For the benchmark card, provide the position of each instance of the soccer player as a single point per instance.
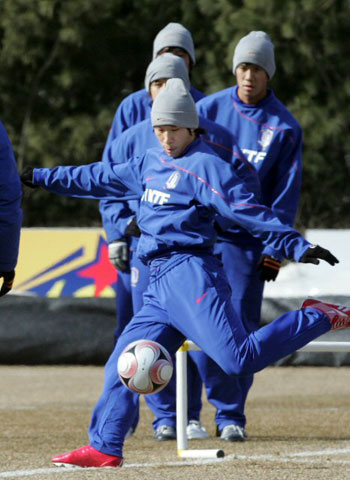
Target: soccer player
(181, 187)
(134, 142)
(271, 138)
(10, 212)
(120, 227)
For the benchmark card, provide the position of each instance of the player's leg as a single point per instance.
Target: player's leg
(125, 311)
(195, 430)
(229, 394)
(163, 404)
(112, 415)
(224, 392)
(123, 302)
(203, 313)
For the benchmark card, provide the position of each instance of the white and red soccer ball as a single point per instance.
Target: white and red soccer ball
(145, 366)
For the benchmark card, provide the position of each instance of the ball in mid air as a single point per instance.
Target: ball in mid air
(145, 367)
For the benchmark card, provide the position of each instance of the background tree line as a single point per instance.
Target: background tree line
(66, 65)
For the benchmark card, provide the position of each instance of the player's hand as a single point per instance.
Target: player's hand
(118, 253)
(314, 253)
(7, 283)
(27, 177)
(132, 230)
(268, 268)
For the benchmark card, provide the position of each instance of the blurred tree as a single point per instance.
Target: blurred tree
(65, 67)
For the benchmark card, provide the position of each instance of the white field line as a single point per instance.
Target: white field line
(298, 457)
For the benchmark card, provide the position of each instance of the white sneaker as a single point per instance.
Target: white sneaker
(195, 431)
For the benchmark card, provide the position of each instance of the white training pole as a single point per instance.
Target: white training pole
(181, 409)
(181, 393)
(181, 399)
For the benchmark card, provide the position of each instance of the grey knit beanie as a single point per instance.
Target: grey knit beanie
(174, 35)
(174, 105)
(167, 66)
(256, 48)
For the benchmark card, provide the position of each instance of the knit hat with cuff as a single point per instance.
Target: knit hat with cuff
(256, 48)
(174, 35)
(174, 105)
(167, 66)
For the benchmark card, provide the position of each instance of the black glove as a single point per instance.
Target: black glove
(315, 252)
(27, 177)
(132, 230)
(268, 268)
(118, 253)
(7, 283)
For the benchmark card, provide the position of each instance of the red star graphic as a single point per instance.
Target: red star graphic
(102, 272)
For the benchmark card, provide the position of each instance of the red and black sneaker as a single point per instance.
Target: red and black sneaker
(339, 315)
(87, 457)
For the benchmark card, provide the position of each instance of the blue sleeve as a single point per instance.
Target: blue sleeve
(10, 204)
(94, 181)
(222, 190)
(116, 215)
(286, 192)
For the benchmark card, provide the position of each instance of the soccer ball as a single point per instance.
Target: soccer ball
(145, 366)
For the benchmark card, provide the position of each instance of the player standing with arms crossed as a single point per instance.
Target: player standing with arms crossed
(271, 138)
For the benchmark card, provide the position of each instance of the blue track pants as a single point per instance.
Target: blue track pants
(189, 297)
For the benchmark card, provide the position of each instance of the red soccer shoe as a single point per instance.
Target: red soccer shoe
(87, 457)
(339, 315)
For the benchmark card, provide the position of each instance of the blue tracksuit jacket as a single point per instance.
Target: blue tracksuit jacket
(135, 108)
(137, 139)
(179, 199)
(10, 204)
(271, 139)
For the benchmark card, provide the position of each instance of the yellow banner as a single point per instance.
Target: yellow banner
(64, 262)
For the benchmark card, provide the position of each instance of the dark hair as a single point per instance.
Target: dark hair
(170, 50)
(197, 131)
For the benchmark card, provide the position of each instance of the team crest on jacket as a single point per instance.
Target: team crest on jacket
(265, 137)
(173, 180)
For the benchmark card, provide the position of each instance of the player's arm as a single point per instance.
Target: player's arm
(94, 181)
(222, 190)
(285, 191)
(116, 215)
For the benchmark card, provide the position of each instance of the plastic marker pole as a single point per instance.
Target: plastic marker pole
(181, 408)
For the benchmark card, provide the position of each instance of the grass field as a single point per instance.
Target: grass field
(298, 427)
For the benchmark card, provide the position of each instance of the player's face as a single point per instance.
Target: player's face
(156, 87)
(173, 139)
(252, 83)
(179, 52)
